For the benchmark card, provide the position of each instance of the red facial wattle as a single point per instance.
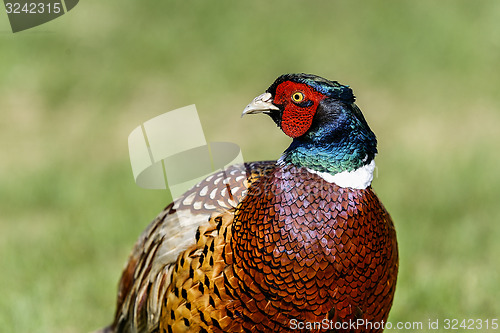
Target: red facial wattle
(297, 117)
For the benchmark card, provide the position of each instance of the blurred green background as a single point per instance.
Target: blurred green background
(425, 73)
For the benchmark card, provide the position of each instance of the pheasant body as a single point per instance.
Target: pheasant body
(261, 245)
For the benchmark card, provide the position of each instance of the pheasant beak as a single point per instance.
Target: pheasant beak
(261, 104)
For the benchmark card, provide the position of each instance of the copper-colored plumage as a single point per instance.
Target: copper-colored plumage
(258, 246)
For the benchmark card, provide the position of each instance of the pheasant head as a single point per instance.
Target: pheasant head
(330, 135)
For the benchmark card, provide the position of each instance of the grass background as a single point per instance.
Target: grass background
(426, 75)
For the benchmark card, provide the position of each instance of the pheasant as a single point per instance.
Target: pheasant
(301, 243)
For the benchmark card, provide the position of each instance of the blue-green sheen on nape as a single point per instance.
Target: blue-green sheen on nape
(340, 141)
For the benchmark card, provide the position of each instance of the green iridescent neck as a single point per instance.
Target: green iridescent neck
(331, 158)
(338, 140)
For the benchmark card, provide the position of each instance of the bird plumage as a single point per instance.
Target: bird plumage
(261, 244)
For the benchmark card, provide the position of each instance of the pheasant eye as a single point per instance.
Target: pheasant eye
(298, 97)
